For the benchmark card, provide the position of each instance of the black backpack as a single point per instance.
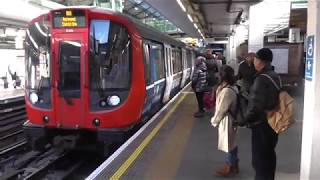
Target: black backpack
(242, 104)
(212, 68)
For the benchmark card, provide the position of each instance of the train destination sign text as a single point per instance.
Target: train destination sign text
(69, 19)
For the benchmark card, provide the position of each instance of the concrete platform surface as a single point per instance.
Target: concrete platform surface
(185, 148)
(10, 94)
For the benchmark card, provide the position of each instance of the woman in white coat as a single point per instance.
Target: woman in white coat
(226, 104)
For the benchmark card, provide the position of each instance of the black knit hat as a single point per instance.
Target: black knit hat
(265, 54)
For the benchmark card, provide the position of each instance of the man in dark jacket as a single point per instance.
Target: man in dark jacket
(263, 97)
(212, 69)
(246, 73)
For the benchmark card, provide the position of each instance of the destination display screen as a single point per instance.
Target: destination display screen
(69, 19)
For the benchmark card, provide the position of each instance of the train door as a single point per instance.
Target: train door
(188, 64)
(177, 70)
(193, 58)
(69, 60)
(158, 74)
(148, 80)
(184, 68)
(169, 72)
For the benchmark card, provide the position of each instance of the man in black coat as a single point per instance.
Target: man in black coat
(212, 69)
(263, 97)
(246, 72)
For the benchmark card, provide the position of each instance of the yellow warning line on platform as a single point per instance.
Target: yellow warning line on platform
(124, 167)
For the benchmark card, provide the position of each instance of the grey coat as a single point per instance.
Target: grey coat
(199, 78)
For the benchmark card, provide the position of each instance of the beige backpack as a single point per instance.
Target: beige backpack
(281, 118)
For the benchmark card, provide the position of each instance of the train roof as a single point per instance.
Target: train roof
(144, 30)
(153, 34)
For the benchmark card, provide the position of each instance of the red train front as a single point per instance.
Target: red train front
(84, 71)
(93, 75)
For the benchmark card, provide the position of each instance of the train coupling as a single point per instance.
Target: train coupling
(66, 142)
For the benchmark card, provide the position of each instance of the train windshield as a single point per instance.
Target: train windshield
(38, 62)
(110, 49)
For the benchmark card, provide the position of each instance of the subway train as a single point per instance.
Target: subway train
(94, 75)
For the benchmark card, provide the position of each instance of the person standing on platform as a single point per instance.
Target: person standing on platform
(226, 105)
(219, 59)
(199, 84)
(246, 73)
(263, 97)
(212, 79)
(212, 68)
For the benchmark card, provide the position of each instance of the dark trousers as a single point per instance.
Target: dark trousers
(264, 141)
(199, 96)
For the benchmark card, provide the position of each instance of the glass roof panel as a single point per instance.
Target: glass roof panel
(144, 5)
(148, 15)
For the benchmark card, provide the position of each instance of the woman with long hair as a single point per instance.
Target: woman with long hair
(226, 104)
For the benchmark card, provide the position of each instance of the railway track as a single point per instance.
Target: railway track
(53, 164)
(12, 116)
(16, 161)
(21, 166)
(13, 148)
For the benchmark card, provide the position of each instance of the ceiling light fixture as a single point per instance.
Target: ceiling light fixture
(181, 5)
(195, 25)
(190, 17)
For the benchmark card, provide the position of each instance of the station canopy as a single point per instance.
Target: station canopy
(149, 15)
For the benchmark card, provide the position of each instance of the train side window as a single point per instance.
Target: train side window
(166, 59)
(156, 57)
(38, 62)
(179, 60)
(171, 61)
(110, 50)
(189, 58)
(162, 64)
(185, 60)
(174, 66)
(147, 70)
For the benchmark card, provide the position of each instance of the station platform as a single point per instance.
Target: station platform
(11, 95)
(175, 145)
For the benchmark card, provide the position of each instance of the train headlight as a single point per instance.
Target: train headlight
(45, 119)
(113, 100)
(96, 122)
(33, 98)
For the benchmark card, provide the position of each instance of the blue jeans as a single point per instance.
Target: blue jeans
(232, 156)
